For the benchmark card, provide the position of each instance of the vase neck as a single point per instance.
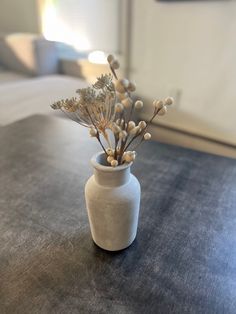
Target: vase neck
(110, 178)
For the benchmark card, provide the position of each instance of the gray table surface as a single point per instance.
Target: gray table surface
(184, 257)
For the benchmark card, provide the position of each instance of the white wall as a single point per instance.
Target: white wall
(189, 48)
(19, 16)
(84, 24)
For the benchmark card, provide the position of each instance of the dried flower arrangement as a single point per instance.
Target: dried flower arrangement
(107, 107)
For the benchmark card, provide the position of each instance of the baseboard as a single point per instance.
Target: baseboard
(170, 135)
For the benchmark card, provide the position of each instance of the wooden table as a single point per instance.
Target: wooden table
(184, 257)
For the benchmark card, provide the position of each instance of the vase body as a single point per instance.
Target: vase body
(112, 198)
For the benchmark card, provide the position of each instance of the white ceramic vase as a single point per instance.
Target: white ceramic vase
(112, 199)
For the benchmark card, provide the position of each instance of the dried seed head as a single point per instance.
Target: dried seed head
(119, 86)
(129, 156)
(124, 82)
(162, 111)
(109, 159)
(142, 124)
(135, 130)
(127, 102)
(93, 132)
(169, 101)
(147, 136)
(114, 163)
(131, 125)
(119, 107)
(131, 87)
(158, 104)
(110, 151)
(115, 64)
(138, 104)
(132, 157)
(110, 58)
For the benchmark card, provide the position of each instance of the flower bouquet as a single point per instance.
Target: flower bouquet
(107, 109)
(112, 194)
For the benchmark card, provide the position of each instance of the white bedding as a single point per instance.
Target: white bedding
(21, 99)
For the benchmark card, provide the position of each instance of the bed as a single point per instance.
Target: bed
(22, 96)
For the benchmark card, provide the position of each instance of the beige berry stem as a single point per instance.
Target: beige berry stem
(99, 140)
(115, 153)
(122, 150)
(123, 145)
(114, 73)
(97, 136)
(131, 141)
(143, 131)
(130, 114)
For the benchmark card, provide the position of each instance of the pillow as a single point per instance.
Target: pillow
(28, 54)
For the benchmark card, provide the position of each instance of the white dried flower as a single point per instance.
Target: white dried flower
(109, 159)
(110, 151)
(104, 81)
(162, 111)
(119, 107)
(127, 102)
(142, 124)
(135, 130)
(131, 125)
(122, 135)
(93, 132)
(124, 82)
(169, 101)
(131, 87)
(115, 64)
(119, 86)
(147, 136)
(114, 163)
(158, 104)
(138, 104)
(129, 156)
(132, 157)
(110, 58)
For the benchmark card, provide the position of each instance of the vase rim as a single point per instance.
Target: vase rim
(98, 166)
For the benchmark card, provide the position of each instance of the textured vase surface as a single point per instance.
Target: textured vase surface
(112, 199)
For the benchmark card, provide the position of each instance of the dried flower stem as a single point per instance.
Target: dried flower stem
(99, 140)
(143, 131)
(116, 143)
(97, 136)
(106, 136)
(130, 114)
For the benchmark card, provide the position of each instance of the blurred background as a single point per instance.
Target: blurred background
(184, 49)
